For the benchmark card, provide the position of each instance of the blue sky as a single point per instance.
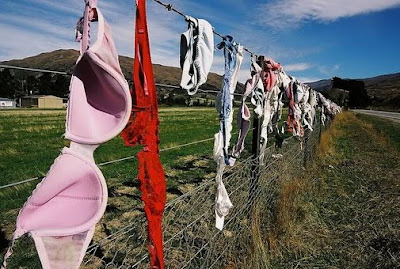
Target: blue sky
(312, 39)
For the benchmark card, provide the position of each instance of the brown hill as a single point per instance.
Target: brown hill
(64, 60)
(383, 91)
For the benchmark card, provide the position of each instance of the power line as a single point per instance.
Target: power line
(199, 90)
(69, 74)
(34, 69)
(20, 182)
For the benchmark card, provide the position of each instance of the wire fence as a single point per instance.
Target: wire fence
(190, 237)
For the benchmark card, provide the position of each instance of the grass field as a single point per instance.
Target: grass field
(31, 139)
(342, 212)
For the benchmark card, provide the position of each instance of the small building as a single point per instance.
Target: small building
(6, 103)
(41, 101)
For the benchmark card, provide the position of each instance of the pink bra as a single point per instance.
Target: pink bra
(64, 208)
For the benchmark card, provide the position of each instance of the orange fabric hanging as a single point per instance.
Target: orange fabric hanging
(142, 129)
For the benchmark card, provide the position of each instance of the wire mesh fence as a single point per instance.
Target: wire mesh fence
(190, 237)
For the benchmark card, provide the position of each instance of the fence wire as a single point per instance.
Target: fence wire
(190, 237)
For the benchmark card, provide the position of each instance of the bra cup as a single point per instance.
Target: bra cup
(100, 102)
(63, 210)
(70, 196)
(184, 47)
(205, 48)
(245, 113)
(98, 106)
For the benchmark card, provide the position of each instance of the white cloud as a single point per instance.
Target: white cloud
(22, 43)
(72, 6)
(54, 29)
(289, 13)
(329, 70)
(297, 67)
(40, 26)
(309, 79)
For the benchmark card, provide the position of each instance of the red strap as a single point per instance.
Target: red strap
(143, 129)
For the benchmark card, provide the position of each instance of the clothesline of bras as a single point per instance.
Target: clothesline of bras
(99, 91)
(197, 55)
(266, 88)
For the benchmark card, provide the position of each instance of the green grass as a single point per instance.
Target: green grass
(342, 212)
(387, 128)
(30, 140)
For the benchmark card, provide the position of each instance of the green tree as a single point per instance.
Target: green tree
(358, 96)
(32, 85)
(45, 84)
(61, 86)
(7, 84)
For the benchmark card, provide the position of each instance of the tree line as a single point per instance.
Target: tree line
(20, 83)
(16, 84)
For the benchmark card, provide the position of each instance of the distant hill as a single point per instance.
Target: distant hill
(383, 91)
(320, 85)
(64, 60)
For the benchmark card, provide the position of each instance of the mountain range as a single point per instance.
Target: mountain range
(384, 90)
(64, 60)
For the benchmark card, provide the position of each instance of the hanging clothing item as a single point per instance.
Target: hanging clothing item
(328, 108)
(282, 83)
(307, 110)
(233, 53)
(313, 104)
(325, 105)
(142, 129)
(255, 87)
(222, 201)
(63, 210)
(196, 54)
(269, 76)
(294, 93)
(98, 89)
(271, 99)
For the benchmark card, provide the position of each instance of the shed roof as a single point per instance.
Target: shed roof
(6, 99)
(41, 96)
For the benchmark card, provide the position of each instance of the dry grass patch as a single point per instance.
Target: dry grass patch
(326, 147)
(188, 158)
(9, 152)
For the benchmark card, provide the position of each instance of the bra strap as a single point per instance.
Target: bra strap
(82, 30)
(9, 252)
